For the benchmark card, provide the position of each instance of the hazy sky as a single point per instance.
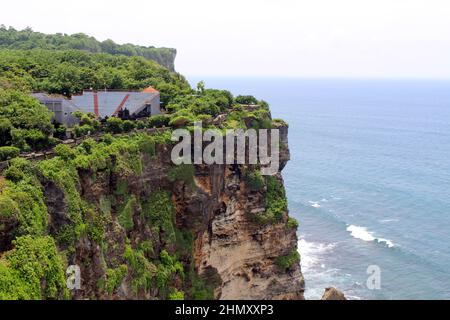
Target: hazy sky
(298, 38)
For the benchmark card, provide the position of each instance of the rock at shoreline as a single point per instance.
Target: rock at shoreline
(333, 294)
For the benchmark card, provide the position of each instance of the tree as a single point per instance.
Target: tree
(246, 100)
(201, 87)
(114, 125)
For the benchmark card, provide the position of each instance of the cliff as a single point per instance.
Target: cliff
(141, 228)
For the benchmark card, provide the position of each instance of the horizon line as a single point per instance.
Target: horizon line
(314, 77)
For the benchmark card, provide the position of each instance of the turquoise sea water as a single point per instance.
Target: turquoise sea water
(369, 180)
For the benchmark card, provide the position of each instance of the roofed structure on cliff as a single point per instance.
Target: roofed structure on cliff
(105, 103)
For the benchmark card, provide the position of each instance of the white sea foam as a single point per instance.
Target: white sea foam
(314, 204)
(310, 253)
(360, 233)
(389, 243)
(363, 234)
(388, 220)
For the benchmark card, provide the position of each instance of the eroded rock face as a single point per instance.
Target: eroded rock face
(241, 251)
(244, 252)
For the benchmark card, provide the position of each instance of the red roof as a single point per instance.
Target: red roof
(150, 90)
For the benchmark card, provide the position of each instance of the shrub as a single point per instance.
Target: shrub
(60, 131)
(36, 266)
(13, 174)
(279, 122)
(160, 211)
(18, 169)
(88, 145)
(246, 100)
(8, 208)
(113, 278)
(206, 118)
(287, 261)
(142, 270)
(158, 120)
(8, 152)
(180, 121)
(167, 269)
(26, 123)
(114, 125)
(126, 214)
(147, 145)
(107, 138)
(66, 179)
(128, 125)
(200, 289)
(292, 223)
(64, 152)
(276, 198)
(83, 130)
(182, 172)
(276, 203)
(24, 199)
(176, 295)
(5, 131)
(12, 286)
(254, 180)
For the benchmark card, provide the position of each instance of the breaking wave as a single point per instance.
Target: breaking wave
(363, 234)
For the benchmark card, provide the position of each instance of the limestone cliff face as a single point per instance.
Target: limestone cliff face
(233, 252)
(242, 252)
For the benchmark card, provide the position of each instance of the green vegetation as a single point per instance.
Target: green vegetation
(24, 122)
(8, 153)
(276, 198)
(126, 214)
(246, 100)
(182, 172)
(279, 122)
(176, 295)
(147, 145)
(292, 223)
(287, 261)
(200, 289)
(65, 177)
(68, 72)
(167, 269)
(160, 212)
(158, 121)
(27, 39)
(22, 199)
(88, 124)
(113, 278)
(64, 152)
(276, 203)
(32, 270)
(142, 270)
(254, 180)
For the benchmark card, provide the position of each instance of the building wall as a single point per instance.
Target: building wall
(62, 109)
(109, 101)
(156, 105)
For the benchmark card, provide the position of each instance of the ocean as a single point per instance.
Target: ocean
(368, 181)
